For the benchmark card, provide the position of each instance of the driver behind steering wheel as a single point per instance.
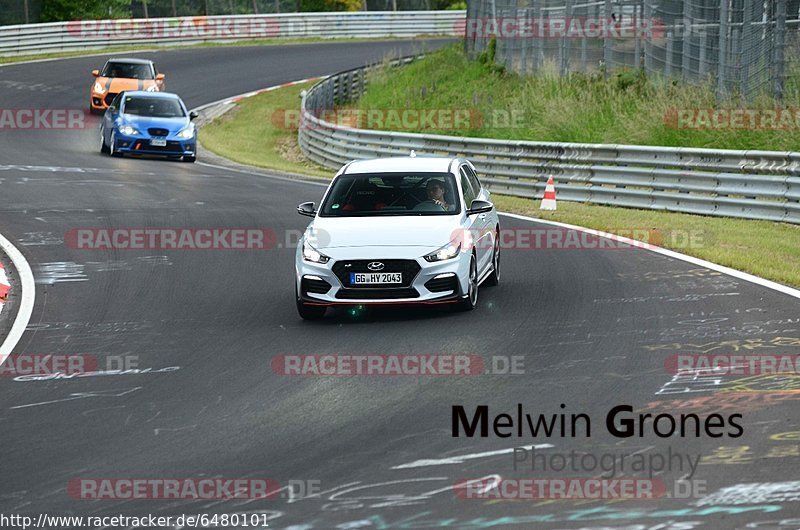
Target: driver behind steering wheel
(435, 190)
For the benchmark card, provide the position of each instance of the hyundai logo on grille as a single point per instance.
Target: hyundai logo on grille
(375, 266)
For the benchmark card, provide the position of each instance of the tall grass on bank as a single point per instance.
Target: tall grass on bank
(628, 108)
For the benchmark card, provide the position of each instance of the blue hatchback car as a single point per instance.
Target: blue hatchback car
(149, 123)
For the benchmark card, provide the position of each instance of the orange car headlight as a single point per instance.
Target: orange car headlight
(100, 89)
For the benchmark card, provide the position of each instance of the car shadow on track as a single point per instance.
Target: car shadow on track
(373, 314)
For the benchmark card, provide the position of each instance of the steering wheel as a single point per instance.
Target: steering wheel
(429, 206)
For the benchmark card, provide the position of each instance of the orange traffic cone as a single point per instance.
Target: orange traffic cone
(549, 199)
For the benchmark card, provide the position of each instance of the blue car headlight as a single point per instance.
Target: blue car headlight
(127, 130)
(187, 133)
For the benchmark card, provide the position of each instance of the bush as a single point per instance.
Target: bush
(58, 10)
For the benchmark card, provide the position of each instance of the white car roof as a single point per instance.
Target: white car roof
(402, 163)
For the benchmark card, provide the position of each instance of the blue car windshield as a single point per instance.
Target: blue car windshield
(153, 107)
(380, 194)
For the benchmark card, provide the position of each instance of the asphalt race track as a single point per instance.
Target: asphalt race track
(595, 328)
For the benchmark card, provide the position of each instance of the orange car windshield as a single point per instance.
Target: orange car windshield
(128, 71)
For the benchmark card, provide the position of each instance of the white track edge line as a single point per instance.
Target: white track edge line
(763, 282)
(239, 97)
(27, 298)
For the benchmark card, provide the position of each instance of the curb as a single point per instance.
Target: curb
(5, 287)
(209, 111)
(24, 293)
(234, 99)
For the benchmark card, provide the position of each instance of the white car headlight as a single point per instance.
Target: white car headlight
(152, 88)
(449, 251)
(313, 255)
(187, 133)
(100, 89)
(127, 130)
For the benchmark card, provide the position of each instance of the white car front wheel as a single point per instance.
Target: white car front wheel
(469, 302)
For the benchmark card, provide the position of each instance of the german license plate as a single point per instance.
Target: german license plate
(375, 278)
(158, 143)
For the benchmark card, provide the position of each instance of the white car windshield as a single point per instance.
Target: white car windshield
(372, 194)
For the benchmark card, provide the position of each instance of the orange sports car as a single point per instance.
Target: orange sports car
(119, 75)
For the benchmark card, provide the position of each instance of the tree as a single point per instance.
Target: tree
(331, 5)
(58, 10)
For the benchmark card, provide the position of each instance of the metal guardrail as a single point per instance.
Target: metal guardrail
(92, 34)
(746, 184)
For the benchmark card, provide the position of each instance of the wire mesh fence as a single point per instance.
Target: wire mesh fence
(742, 47)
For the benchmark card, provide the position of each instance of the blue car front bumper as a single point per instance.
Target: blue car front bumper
(144, 145)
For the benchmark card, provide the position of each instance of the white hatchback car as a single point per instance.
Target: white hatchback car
(410, 230)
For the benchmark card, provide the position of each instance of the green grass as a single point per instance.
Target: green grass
(626, 109)
(766, 249)
(254, 133)
(772, 250)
